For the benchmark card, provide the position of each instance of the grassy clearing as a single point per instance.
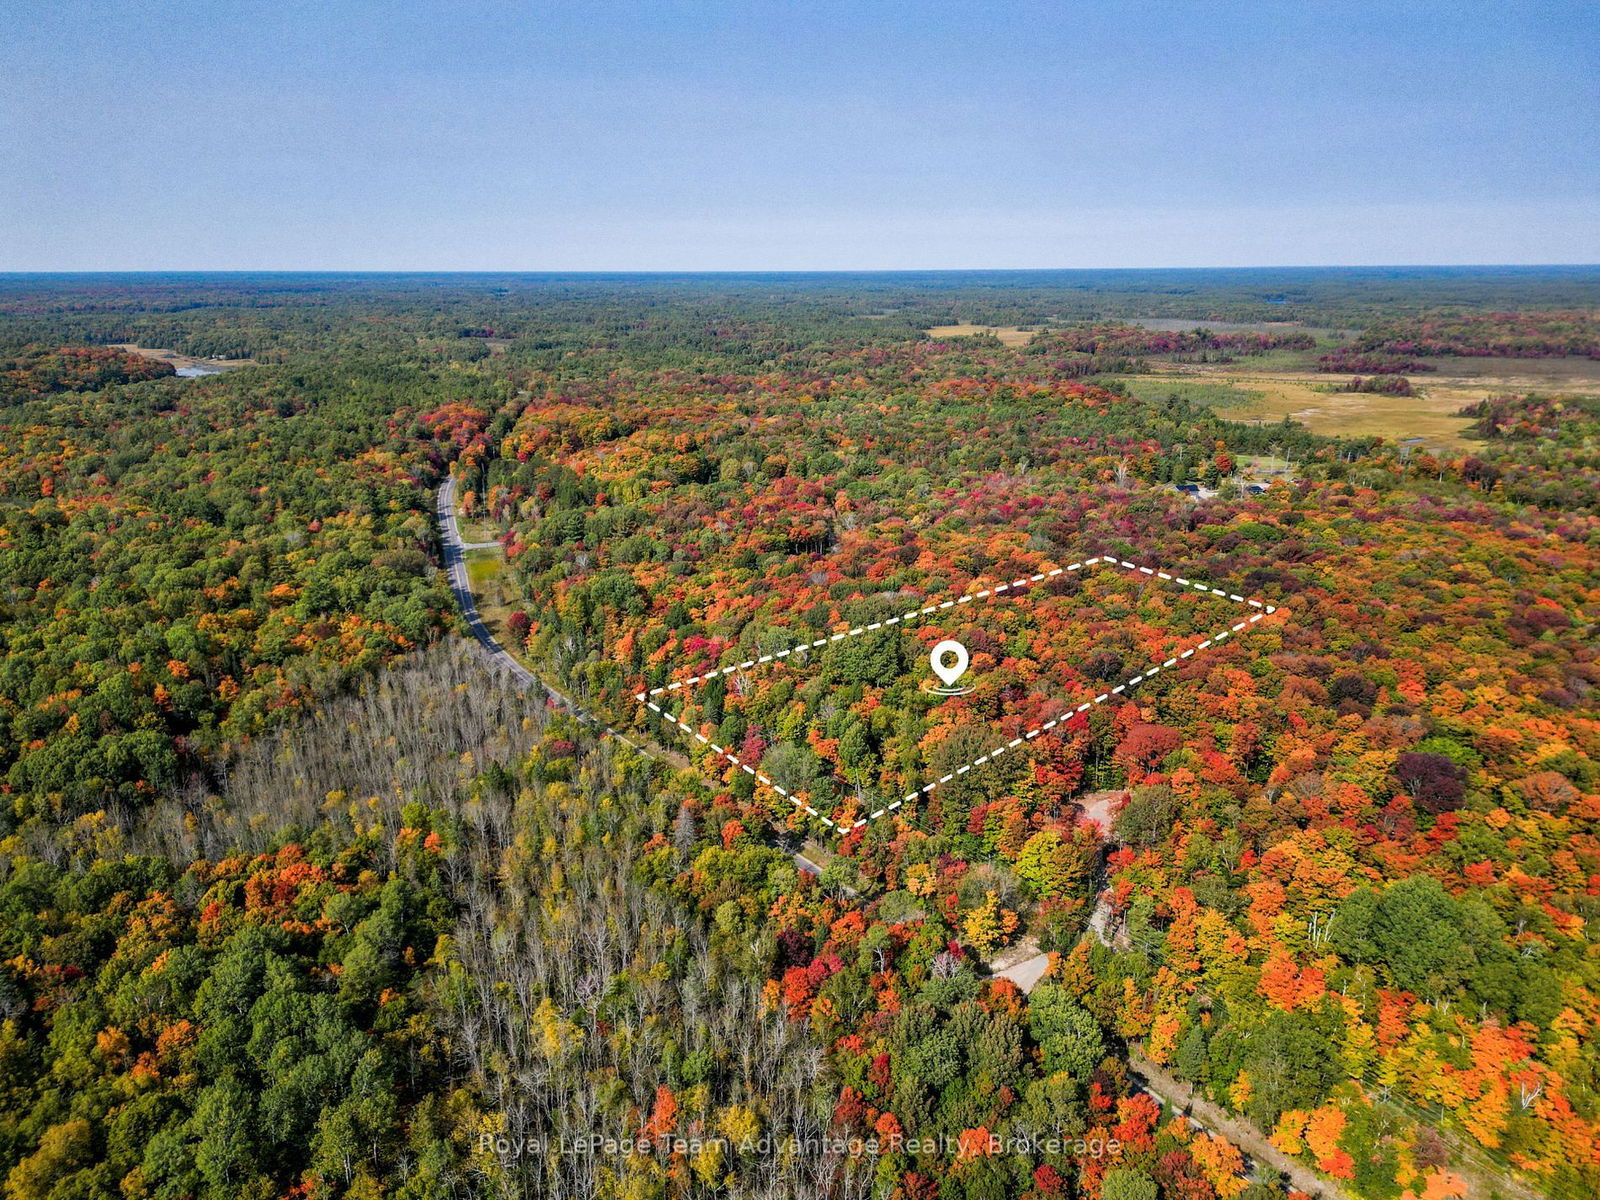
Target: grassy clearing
(1269, 393)
(492, 588)
(1277, 362)
(478, 531)
(1254, 466)
(483, 568)
(1011, 335)
(180, 361)
(1213, 395)
(1580, 376)
(1257, 393)
(1430, 416)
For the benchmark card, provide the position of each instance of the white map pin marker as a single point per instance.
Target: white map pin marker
(954, 671)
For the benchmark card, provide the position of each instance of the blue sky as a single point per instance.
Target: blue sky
(721, 136)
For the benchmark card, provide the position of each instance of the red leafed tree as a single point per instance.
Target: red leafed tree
(1146, 745)
(662, 1114)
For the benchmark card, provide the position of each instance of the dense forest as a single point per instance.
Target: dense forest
(304, 896)
(1545, 334)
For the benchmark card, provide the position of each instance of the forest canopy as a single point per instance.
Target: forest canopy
(303, 895)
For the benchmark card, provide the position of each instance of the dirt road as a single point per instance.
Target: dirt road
(1161, 1083)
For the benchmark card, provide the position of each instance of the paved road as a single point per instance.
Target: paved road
(1022, 963)
(455, 562)
(1027, 973)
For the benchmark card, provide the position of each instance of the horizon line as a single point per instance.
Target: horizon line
(735, 271)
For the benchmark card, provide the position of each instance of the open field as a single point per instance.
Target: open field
(1283, 384)
(1217, 395)
(181, 361)
(475, 531)
(1257, 394)
(1431, 415)
(1579, 375)
(1009, 334)
(486, 571)
(483, 568)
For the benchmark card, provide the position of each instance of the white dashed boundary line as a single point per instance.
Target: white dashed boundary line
(1262, 611)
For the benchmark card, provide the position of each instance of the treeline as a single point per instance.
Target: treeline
(1347, 360)
(664, 318)
(1128, 343)
(1524, 334)
(1383, 385)
(39, 370)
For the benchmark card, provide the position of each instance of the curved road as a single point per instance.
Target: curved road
(455, 562)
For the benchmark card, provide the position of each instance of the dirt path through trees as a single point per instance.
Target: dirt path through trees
(1160, 1082)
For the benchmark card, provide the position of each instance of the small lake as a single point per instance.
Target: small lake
(195, 372)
